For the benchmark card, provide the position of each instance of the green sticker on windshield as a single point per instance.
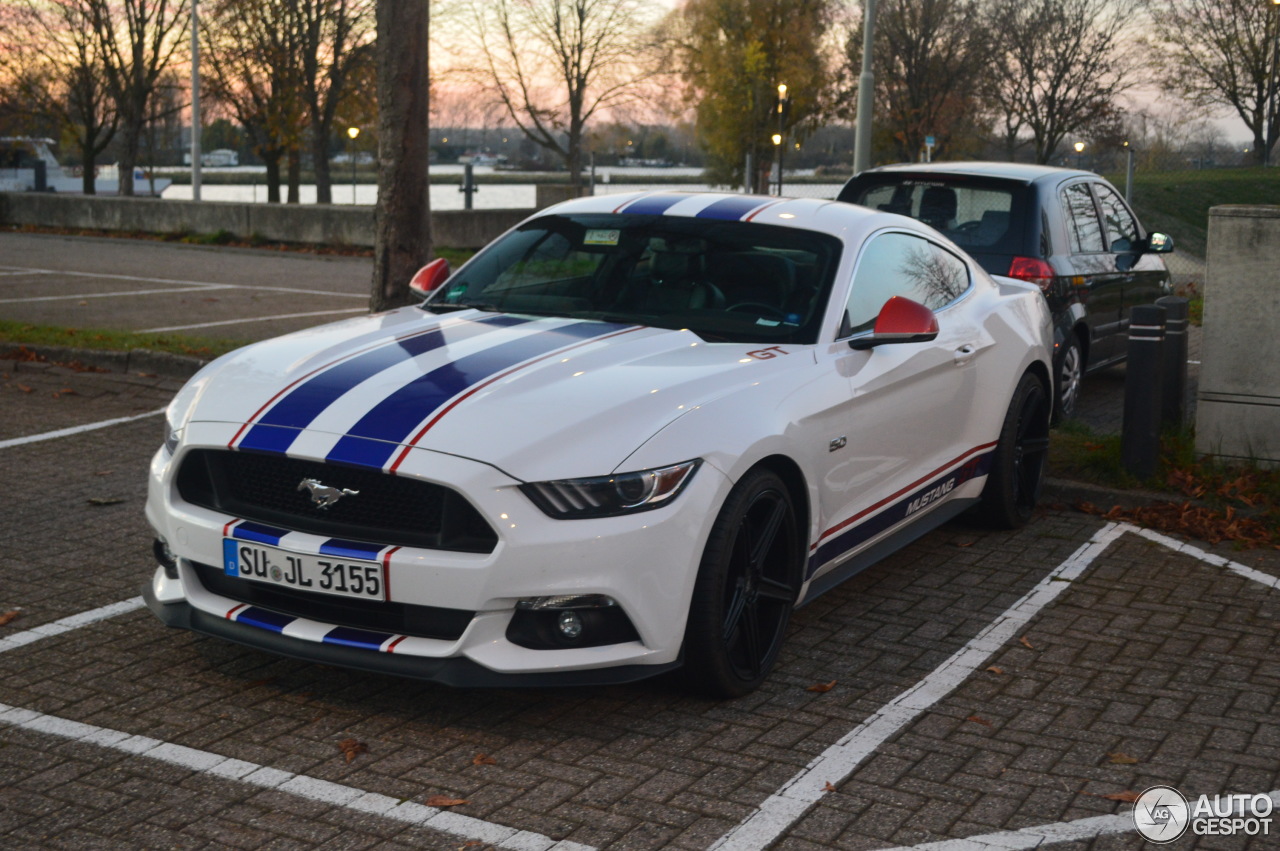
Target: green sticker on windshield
(602, 237)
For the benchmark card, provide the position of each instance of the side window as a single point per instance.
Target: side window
(1082, 219)
(901, 264)
(1122, 230)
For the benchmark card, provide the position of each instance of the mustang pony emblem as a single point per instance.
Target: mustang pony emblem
(322, 495)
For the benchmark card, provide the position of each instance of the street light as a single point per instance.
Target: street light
(1269, 141)
(1079, 146)
(784, 107)
(352, 133)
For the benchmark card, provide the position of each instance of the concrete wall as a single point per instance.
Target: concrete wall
(1238, 415)
(313, 223)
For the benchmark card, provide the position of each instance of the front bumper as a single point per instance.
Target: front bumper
(646, 562)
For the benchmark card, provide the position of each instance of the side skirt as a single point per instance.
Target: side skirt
(886, 547)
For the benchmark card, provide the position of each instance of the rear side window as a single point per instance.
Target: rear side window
(1082, 219)
(904, 265)
(974, 216)
(1122, 229)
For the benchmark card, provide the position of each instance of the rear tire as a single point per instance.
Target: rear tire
(1017, 468)
(1070, 374)
(747, 585)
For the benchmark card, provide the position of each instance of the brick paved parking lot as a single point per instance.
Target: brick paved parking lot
(989, 687)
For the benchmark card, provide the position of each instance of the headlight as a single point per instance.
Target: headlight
(171, 435)
(610, 496)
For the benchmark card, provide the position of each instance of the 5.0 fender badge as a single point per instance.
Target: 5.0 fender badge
(322, 495)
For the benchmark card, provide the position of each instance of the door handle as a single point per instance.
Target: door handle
(965, 353)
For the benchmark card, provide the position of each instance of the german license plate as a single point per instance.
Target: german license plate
(320, 574)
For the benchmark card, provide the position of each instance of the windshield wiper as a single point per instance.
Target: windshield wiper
(437, 307)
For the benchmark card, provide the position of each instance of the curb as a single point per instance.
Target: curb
(133, 361)
(1104, 498)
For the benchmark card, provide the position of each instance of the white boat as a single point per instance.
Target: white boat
(23, 158)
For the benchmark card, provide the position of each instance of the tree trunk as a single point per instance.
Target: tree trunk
(273, 177)
(295, 176)
(402, 217)
(88, 179)
(128, 158)
(320, 163)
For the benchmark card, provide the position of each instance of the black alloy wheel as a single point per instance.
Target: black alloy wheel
(1017, 468)
(1070, 374)
(746, 588)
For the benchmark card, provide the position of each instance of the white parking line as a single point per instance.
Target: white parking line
(197, 284)
(250, 319)
(83, 296)
(67, 624)
(80, 429)
(1047, 834)
(836, 763)
(311, 788)
(786, 806)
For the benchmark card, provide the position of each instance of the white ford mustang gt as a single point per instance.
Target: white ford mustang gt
(630, 435)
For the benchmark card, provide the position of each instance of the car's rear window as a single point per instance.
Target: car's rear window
(979, 216)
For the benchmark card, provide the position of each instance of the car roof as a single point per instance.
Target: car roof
(1023, 172)
(844, 221)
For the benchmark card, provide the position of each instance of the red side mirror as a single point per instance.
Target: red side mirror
(430, 277)
(901, 320)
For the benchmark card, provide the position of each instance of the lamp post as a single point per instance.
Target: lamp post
(1269, 137)
(1079, 146)
(352, 133)
(784, 108)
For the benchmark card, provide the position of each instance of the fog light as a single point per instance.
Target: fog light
(569, 624)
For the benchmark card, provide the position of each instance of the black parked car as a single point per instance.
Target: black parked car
(1068, 231)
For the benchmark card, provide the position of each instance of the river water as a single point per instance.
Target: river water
(491, 196)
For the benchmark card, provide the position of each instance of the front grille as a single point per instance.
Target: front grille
(394, 618)
(389, 510)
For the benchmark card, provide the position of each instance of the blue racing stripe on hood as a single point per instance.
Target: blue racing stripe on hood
(655, 205)
(300, 406)
(730, 209)
(350, 549)
(372, 440)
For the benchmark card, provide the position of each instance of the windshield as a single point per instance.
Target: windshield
(725, 281)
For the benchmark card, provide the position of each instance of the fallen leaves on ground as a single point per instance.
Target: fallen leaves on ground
(1027, 644)
(483, 759)
(1118, 758)
(445, 801)
(1126, 796)
(8, 617)
(820, 688)
(352, 748)
(996, 669)
(105, 500)
(24, 388)
(827, 787)
(1194, 521)
(979, 720)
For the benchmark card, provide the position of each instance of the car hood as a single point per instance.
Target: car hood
(538, 398)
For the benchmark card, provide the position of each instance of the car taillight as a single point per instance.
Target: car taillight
(1032, 270)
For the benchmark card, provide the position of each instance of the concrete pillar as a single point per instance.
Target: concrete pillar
(1238, 414)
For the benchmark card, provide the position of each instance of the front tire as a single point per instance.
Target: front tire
(1017, 468)
(747, 585)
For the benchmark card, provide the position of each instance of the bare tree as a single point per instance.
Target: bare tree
(1222, 53)
(138, 40)
(930, 59)
(555, 63)
(250, 50)
(402, 219)
(334, 38)
(1059, 63)
(55, 69)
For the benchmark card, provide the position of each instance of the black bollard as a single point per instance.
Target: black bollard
(1143, 386)
(1174, 391)
(468, 187)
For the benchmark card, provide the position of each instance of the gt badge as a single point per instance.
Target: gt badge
(323, 496)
